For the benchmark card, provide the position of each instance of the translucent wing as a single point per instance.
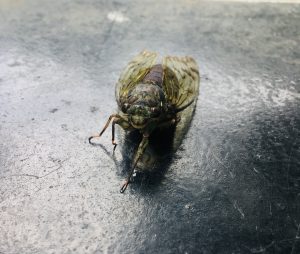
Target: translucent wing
(133, 73)
(181, 81)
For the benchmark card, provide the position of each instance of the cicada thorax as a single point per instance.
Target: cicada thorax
(146, 101)
(155, 75)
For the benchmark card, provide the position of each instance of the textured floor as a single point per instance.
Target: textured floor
(233, 185)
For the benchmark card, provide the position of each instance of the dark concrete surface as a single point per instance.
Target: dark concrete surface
(233, 185)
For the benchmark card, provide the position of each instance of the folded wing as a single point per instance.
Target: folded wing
(181, 81)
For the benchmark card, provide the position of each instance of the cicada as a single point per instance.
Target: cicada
(150, 95)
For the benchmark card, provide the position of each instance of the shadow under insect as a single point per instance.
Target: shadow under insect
(156, 159)
(158, 155)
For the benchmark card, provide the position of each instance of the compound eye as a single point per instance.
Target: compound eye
(154, 111)
(125, 107)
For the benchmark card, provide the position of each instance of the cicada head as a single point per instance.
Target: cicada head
(140, 115)
(143, 104)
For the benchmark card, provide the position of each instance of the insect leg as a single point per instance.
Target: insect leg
(177, 119)
(113, 134)
(105, 127)
(169, 122)
(138, 155)
(123, 123)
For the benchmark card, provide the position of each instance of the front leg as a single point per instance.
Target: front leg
(138, 155)
(123, 123)
(116, 119)
(105, 127)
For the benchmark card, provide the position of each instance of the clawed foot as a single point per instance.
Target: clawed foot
(115, 145)
(91, 137)
(124, 186)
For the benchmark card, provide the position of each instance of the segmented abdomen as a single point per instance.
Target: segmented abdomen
(155, 75)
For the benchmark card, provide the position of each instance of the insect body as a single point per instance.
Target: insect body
(150, 95)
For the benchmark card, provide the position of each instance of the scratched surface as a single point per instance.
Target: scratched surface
(232, 186)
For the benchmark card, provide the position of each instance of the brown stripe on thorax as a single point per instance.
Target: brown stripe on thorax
(155, 75)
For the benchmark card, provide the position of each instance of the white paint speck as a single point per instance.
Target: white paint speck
(117, 17)
(188, 206)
